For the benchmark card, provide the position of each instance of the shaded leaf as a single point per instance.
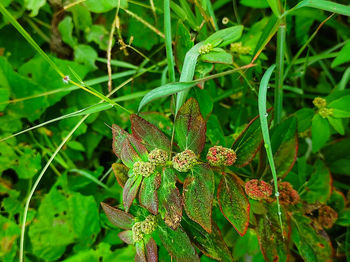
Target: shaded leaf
(273, 245)
(130, 190)
(190, 127)
(233, 202)
(212, 245)
(320, 132)
(148, 134)
(121, 173)
(249, 142)
(151, 251)
(183, 43)
(128, 154)
(148, 193)
(127, 237)
(118, 217)
(198, 191)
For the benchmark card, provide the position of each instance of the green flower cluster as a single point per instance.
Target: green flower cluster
(184, 161)
(205, 49)
(158, 157)
(321, 104)
(239, 49)
(143, 168)
(146, 227)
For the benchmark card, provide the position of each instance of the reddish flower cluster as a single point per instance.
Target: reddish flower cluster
(221, 156)
(287, 195)
(184, 161)
(258, 190)
(327, 216)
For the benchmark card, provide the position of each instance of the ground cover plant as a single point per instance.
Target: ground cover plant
(174, 130)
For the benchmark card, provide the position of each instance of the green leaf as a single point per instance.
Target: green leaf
(149, 135)
(255, 3)
(28, 164)
(170, 199)
(225, 36)
(198, 191)
(118, 217)
(66, 30)
(274, 5)
(248, 142)
(34, 6)
(312, 243)
(304, 117)
(164, 91)
(148, 197)
(233, 202)
(214, 132)
(325, 5)
(343, 56)
(183, 43)
(337, 124)
(190, 127)
(8, 238)
(85, 55)
(99, 35)
(273, 245)
(121, 173)
(212, 245)
(284, 145)
(218, 56)
(320, 132)
(318, 187)
(102, 6)
(130, 190)
(177, 243)
(344, 218)
(341, 107)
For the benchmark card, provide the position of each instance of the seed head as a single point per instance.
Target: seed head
(205, 49)
(137, 231)
(319, 102)
(149, 225)
(221, 156)
(158, 157)
(287, 194)
(184, 161)
(325, 112)
(143, 168)
(327, 216)
(258, 189)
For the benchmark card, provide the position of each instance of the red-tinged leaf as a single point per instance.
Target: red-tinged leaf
(118, 217)
(311, 241)
(249, 142)
(170, 198)
(119, 136)
(121, 173)
(233, 202)
(212, 245)
(190, 127)
(128, 155)
(130, 190)
(198, 191)
(149, 135)
(127, 237)
(140, 252)
(273, 245)
(284, 144)
(177, 243)
(151, 251)
(148, 193)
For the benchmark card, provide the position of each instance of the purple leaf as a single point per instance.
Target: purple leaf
(151, 251)
(118, 217)
(127, 237)
(130, 190)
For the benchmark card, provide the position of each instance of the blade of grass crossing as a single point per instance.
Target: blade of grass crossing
(265, 131)
(168, 42)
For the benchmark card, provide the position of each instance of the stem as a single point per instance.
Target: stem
(281, 38)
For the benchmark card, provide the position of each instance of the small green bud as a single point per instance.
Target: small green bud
(239, 49)
(137, 231)
(184, 161)
(143, 168)
(149, 225)
(319, 102)
(158, 157)
(325, 112)
(205, 49)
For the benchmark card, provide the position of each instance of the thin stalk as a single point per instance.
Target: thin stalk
(281, 39)
(109, 49)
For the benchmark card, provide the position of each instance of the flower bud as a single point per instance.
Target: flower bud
(158, 157)
(184, 161)
(319, 102)
(239, 49)
(149, 225)
(258, 189)
(325, 112)
(143, 168)
(205, 49)
(137, 233)
(327, 216)
(287, 194)
(221, 156)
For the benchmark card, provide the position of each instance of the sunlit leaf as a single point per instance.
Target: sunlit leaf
(130, 190)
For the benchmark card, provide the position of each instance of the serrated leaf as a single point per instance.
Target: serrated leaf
(118, 217)
(149, 135)
(170, 198)
(130, 190)
(177, 244)
(233, 203)
(148, 193)
(273, 245)
(249, 142)
(320, 132)
(190, 127)
(312, 243)
(284, 143)
(198, 191)
(212, 245)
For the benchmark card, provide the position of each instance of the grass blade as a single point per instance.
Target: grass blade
(265, 130)
(325, 5)
(168, 42)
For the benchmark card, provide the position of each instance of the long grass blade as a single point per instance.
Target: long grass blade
(168, 42)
